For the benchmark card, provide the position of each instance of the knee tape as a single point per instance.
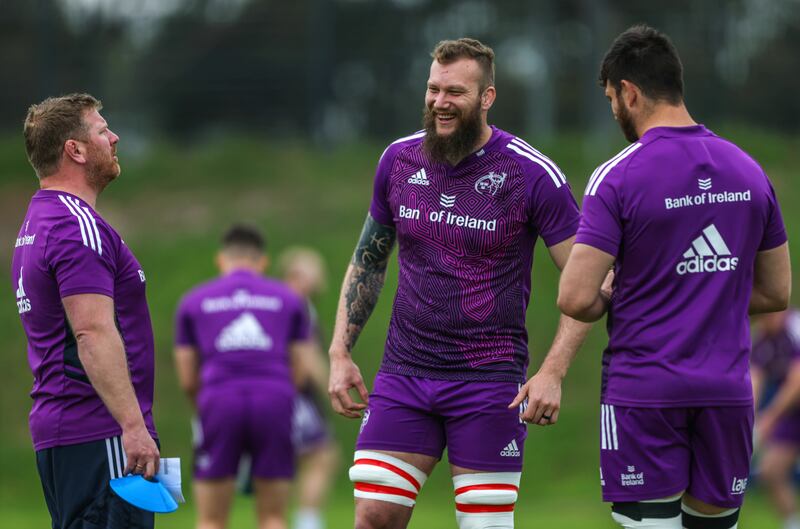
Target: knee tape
(486, 500)
(656, 514)
(382, 477)
(693, 519)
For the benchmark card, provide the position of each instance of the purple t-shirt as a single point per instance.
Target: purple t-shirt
(466, 236)
(65, 248)
(684, 212)
(775, 354)
(242, 324)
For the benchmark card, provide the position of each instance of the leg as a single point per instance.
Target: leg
(213, 498)
(700, 515)
(775, 469)
(386, 486)
(485, 500)
(272, 498)
(316, 470)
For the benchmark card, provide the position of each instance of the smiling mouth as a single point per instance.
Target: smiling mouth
(445, 117)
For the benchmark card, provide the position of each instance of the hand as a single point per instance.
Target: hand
(765, 425)
(607, 288)
(141, 452)
(543, 392)
(345, 376)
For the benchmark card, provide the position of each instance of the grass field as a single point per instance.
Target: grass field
(171, 204)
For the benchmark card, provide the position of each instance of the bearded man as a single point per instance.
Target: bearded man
(466, 202)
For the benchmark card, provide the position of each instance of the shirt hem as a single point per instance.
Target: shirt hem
(734, 403)
(52, 443)
(474, 376)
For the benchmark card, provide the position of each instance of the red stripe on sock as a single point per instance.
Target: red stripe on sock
(389, 466)
(382, 489)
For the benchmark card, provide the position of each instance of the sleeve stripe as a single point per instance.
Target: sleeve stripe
(75, 213)
(522, 143)
(526, 154)
(414, 136)
(600, 174)
(85, 217)
(96, 231)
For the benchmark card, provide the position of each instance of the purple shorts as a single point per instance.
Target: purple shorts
(422, 415)
(237, 421)
(309, 428)
(651, 453)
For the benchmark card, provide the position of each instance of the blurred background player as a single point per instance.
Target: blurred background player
(466, 203)
(238, 341)
(775, 371)
(303, 270)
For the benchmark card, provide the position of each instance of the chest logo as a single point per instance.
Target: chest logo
(420, 178)
(243, 333)
(447, 201)
(490, 184)
(23, 303)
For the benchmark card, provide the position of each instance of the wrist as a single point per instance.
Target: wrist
(339, 353)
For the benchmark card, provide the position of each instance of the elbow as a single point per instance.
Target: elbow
(575, 306)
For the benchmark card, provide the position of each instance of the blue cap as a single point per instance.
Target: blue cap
(147, 495)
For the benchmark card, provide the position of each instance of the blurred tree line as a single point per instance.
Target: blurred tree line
(335, 70)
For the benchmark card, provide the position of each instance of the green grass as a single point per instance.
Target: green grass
(172, 203)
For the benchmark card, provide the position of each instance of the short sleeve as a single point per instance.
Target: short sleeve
(775, 230)
(380, 208)
(554, 212)
(81, 255)
(184, 325)
(301, 323)
(601, 224)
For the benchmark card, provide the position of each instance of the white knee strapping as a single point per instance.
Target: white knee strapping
(382, 477)
(486, 500)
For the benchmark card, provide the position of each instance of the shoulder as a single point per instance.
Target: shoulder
(74, 221)
(532, 162)
(612, 169)
(280, 289)
(400, 144)
(194, 296)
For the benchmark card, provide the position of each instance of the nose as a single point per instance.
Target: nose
(114, 137)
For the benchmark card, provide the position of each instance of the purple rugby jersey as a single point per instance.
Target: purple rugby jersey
(65, 248)
(466, 236)
(241, 325)
(684, 212)
(776, 354)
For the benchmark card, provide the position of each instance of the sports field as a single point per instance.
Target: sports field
(171, 205)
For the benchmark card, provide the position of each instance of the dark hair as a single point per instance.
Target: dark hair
(242, 238)
(448, 51)
(647, 58)
(50, 124)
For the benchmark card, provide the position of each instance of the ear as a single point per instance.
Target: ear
(263, 263)
(219, 262)
(76, 151)
(630, 93)
(488, 97)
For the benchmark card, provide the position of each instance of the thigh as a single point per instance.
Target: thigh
(221, 435)
(722, 444)
(213, 499)
(787, 431)
(80, 497)
(644, 452)
(272, 496)
(482, 432)
(400, 417)
(268, 436)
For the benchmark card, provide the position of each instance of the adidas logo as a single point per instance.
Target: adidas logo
(511, 449)
(420, 178)
(704, 183)
(708, 253)
(243, 333)
(447, 201)
(23, 303)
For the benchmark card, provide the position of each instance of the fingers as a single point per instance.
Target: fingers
(362, 391)
(519, 399)
(343, 404)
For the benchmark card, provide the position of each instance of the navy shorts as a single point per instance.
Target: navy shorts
(75, 483)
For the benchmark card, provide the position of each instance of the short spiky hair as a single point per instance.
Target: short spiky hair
(50, 124)
(448, 51)
(647, 58)
(241, 238)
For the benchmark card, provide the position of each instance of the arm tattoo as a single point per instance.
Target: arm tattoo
(369, 271)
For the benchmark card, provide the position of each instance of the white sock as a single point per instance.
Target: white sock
(307, 519)
(792, 522)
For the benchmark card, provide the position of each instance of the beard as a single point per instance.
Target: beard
(626, 124)
(457, 145)
(102, 168)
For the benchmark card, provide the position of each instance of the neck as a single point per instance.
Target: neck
(665, 115)
(72, 184)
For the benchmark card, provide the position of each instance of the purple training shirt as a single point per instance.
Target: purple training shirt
(65, 248)
(466, 236)
(685, 213)
(242, 325)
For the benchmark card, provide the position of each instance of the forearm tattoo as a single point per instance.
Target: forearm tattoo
(369, 271)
